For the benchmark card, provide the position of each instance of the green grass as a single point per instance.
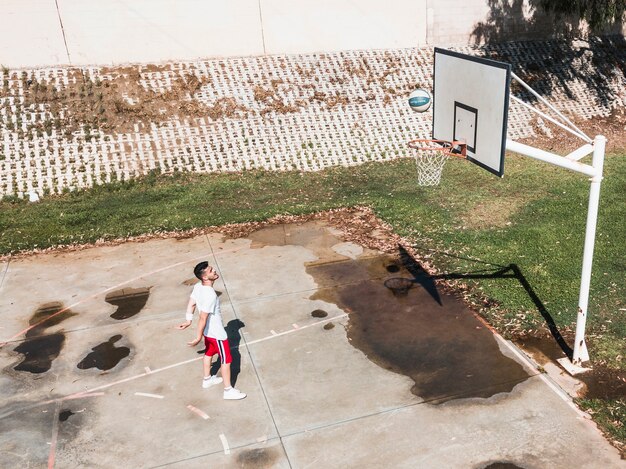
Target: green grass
(472, 223)
(609, 414)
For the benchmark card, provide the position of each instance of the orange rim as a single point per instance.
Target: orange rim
(444, 146)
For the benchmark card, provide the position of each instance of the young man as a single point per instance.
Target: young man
(210, 327)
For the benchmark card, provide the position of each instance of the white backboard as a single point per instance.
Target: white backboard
(471, 104)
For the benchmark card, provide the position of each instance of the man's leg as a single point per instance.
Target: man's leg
(211, 350)
(225, 369)
(223, 348)
(206, 365)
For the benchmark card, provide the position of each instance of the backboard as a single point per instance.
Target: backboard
(471, 104)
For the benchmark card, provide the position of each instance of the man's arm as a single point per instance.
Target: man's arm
(188, 314)
(201, 324)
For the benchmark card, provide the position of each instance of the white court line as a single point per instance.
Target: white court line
(225, 443)
(80, 395)
(55, 435)
(197, 411)
(146, 394)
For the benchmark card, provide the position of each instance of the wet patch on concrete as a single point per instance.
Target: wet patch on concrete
(314, 235)
(41, 350)
(190, 282)
(105, 356)
(328, 326)
(25, 430)
(600, 382)
(398, 285)
(501, 465)
(429, 336)
(129, 301)
(65, 414)
(257, 458)
(319, 313)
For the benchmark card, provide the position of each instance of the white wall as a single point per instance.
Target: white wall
(83, 32)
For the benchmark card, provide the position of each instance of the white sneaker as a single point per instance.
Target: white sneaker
(233, 393)
(208, 382)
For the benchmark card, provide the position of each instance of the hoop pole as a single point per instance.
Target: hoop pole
(554, 121)
(545, 101)
(580, 347)
(552, 158)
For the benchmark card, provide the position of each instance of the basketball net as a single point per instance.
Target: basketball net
(430, 157)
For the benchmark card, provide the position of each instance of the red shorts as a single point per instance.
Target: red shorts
(221, 347)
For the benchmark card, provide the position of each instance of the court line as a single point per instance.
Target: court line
(147, 394)
(4, 273)
(204, 256)
(197, 411)
(224, 443)
(55, 434)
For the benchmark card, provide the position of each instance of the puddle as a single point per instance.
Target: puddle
(398, 285)
(328, 326)
(129, 301)
(319, 313)
(190, 282)
(41, 350)
(65, 414)
(502, 465)
(425, 333)
(313, 235)
(600, 382)
(257, 458)
(105, 355)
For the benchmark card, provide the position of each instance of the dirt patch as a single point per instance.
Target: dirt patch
(493, 212)
(601, 382)
(114, 101)
(613, 127)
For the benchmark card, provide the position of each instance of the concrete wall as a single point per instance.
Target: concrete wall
(83, 32)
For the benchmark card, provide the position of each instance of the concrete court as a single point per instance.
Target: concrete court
(314, 399)
(91, 32)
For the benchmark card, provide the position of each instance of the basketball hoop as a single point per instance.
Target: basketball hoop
(431, 156)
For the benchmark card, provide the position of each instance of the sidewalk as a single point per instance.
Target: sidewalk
(116, 386)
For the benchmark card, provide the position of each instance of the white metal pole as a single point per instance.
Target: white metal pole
(552, 158)
(580, 347)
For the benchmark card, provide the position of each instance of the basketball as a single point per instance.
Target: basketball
(420, 100)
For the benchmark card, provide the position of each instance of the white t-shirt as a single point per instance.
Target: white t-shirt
(207, 302)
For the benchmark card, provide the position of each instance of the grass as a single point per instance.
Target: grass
(533, 221)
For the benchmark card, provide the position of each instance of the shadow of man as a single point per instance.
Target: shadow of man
(234, 338)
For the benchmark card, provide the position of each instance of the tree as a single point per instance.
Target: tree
(597, 13)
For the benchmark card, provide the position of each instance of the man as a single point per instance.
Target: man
(210, 327)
